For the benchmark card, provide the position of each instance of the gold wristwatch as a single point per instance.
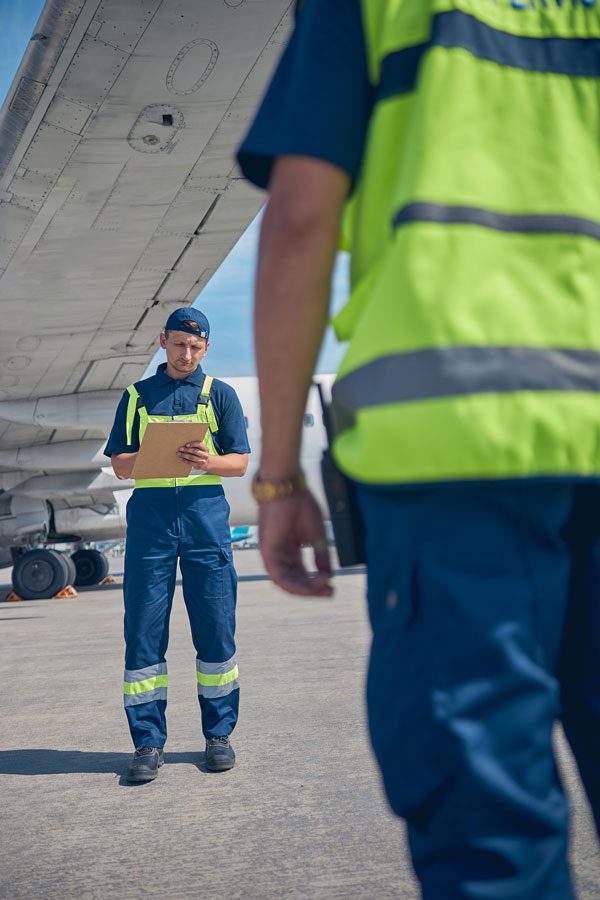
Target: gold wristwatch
(264, 491)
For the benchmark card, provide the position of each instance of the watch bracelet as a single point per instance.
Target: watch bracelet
(266, 490)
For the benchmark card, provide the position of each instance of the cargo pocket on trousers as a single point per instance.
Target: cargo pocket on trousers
(228, 578)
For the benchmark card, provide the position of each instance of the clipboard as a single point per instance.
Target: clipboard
(157, 456)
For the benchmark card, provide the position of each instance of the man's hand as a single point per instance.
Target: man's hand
(284, 526)
(197, 454)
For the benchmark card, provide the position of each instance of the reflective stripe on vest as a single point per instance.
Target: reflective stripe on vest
(204, 413)
(458, 30)
(474, 322)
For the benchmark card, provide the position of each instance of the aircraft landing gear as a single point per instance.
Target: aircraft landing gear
(40, 574)
(91, 566)
(72, 573)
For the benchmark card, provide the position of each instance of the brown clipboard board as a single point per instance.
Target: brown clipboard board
(157, 456)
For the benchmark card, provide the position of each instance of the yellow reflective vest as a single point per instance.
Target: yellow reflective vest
(474, 317)
(204, 413)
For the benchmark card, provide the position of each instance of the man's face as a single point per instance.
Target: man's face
(184, 351)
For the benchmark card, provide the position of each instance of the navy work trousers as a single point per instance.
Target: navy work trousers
(485, 608)
(164, 525)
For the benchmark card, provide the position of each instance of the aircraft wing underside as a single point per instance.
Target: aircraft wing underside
(119, 199)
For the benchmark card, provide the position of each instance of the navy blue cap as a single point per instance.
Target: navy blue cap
(178, 319)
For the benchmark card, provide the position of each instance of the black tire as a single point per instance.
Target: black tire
(91, 566)
(40, 574)
(71, 567)
(65, 563)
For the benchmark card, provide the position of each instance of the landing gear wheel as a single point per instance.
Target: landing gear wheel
(66, 563)
(40, 574)
(71, 567)
(91, 565)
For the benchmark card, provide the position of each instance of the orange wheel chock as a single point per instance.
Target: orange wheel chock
(109, 580)
(12, 596)
(68, 591)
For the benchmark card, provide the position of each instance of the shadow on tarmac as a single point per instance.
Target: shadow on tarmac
(358, 570)
(18, 618)
(118, 585)
(70, 762)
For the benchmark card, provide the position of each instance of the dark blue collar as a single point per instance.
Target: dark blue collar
(196, 378)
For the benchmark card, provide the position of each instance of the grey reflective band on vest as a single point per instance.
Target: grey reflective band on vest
(485, 218)
(574, 57)
(459, 371)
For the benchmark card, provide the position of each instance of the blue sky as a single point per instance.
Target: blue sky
(18, 19)
(227, 299)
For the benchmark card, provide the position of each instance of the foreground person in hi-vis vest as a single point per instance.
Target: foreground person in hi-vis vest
(467, 406)
(185, 519)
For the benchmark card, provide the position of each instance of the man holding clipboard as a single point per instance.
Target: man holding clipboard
(193, 434)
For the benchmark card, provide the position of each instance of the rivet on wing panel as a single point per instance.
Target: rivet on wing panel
(192, 66)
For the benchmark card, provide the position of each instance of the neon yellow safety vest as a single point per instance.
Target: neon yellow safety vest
(204, 413)
(474, 318)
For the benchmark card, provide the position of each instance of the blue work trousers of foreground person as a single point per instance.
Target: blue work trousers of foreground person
(485, 607)
(163, 525)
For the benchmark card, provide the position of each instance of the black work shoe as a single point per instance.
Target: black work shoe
(145, 764)
(219, 754)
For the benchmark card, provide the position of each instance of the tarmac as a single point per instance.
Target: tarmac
(302, 814)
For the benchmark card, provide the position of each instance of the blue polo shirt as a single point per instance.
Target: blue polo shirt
(320, 100)
(166, 396)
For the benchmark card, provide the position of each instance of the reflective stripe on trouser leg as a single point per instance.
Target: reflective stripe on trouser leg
(148, 586)
(219, 695)
(209, 590)
(217, 679)
(145, 685)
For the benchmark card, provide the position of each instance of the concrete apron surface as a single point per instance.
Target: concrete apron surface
(301, 815)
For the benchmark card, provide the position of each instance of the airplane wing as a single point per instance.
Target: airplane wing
(119, 198)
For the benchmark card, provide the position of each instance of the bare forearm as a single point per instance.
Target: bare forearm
(123, 464)
(297, 250)
(230, 465)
